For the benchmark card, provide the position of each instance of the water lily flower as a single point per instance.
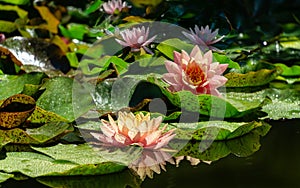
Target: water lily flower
(130, 129)
(204, 37)
(151, 161)
(195, 72)
(136, 38)
(114, 6)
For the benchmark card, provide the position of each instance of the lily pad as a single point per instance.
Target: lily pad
(38, 53)
(15, 110)
(14, 84)
(242, 146)
(250, 79)
(44, 134)
(214, 130)
(60, 99)
(5, 176)
(69, 160)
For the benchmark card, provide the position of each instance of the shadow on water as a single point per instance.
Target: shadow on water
(276, 164)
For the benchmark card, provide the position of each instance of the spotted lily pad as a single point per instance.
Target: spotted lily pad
(44, 134)
(15, 110)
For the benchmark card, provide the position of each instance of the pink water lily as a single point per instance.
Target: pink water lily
(136, 38)
(204, 37)
(114, 6)
(130, 129)
(195, 72)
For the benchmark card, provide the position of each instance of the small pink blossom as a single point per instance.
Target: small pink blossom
(2, 37)
(195, 72)
(114, 6)
(133, 129)
(204, 37)
(136, 38)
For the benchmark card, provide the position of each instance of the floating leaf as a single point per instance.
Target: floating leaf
(223, 59)
(285, 104)
(46, 133)
(38, 53)
(289, 71)
(15, 84)
(63, 160)
(211, 151)
(5, 176)
(15, 110)
(60, 99)
(168, 47)
(40, 115)
(213, 130)
(257, 78)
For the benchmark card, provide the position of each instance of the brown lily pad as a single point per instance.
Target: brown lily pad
(15, 110)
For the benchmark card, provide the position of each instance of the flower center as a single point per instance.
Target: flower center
(195, 73)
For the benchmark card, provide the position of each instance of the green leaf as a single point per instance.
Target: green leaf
(15, 84)
(93, 7)
(64, 97)
(211, 151)
(44, 134)
(250, 79)
(16, 2)
(168, 47)
(223, 59)
(285, 104)
(214, 130)
(74, 31)
(5, 176)
(289, 71)
(7, 26)
(59, 160)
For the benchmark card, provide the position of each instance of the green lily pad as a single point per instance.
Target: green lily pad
(289, 71)
(168, 47)
(64, 97)
(250, 79)
(243, 146)
(44, 134)
(71, 160)
(5, 176)
(214, 130)
(15, 84)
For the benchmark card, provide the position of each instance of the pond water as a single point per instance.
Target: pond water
(276, 164)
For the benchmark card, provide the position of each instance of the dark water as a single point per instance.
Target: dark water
(276, 164)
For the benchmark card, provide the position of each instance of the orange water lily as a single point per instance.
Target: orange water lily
(195, 72)
(130, 129)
